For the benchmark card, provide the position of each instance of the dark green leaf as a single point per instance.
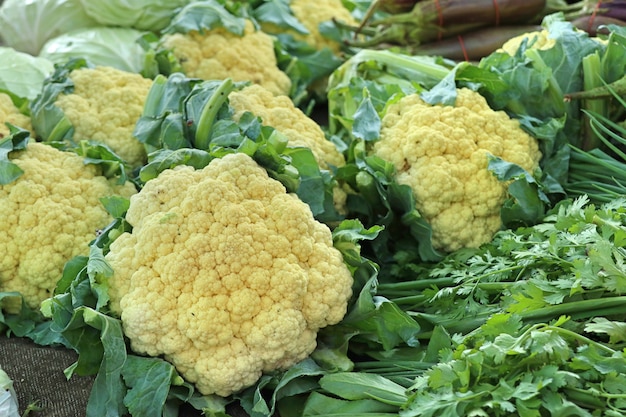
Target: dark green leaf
(116, 206)
(17, 140)
(108, 390)
(164, 159)
(204, 16)
(149, 381)
(312, 188)
(253, 400)
(366, 120)
(379, 321)
(279, 13)
(48, 120)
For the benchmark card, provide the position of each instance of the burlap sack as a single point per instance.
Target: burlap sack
(37, 374)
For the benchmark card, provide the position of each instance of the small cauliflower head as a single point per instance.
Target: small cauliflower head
(11, 114)
(280, 113)
(313, 13)
(219, 54)
(441, 152)
(539, 39)
(105, 106)
(50, 214)
(225, 274)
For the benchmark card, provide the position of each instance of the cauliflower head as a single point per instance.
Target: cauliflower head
(539, 39)
(441, 153)
(105, 106)
(50, 214)
(281, 113)
(11, 114)
(311, 14)
(220, 54)
(225, 274)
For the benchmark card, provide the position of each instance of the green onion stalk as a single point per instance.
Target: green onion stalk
(599, 168)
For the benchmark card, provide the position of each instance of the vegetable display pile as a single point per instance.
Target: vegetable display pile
(332, 208)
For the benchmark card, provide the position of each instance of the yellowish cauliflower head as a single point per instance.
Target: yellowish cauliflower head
(50, 214)
(10, 113)
(311, 14)
(105, 106)
(281, 113)
(225, 274)
(441, 153)
(219, 54)
(539, 39)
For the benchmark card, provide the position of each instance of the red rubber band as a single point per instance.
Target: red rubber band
(462, 44)
(496, 8)
(439, 13)
(439, 19)
(593, 15)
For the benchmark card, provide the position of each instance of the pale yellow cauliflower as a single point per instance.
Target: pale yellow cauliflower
(11, 114)
(311, 14)
(441, 153)
(225, 274)
(281, 113)
(105, 106)
(220, 54)
(49, 215)
(539, 39)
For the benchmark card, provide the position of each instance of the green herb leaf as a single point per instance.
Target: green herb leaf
(17, 140)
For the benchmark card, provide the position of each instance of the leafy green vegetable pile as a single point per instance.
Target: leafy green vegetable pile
(526, 319)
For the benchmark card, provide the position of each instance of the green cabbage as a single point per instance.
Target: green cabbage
(151, 15)
(27, 24)
(22, 74)
(108, 46)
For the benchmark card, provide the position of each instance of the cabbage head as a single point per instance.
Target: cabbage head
(106, 46)
(22, 74)
(27, 24)
(152, 15)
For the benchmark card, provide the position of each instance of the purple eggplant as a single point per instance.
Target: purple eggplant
(593, 24)
(474, 45)
(615, 9)
(431, 20)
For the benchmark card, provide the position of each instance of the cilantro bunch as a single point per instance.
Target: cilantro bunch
(532, 323)
(572, 263)
(506, 369)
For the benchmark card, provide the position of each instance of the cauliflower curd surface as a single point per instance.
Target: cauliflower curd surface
(50, 214)
(225, 274)
(313, 13)
(218, 54)
(280, 113)
(441, 152)
(104, 106)
(11, 114)
(539, 39)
